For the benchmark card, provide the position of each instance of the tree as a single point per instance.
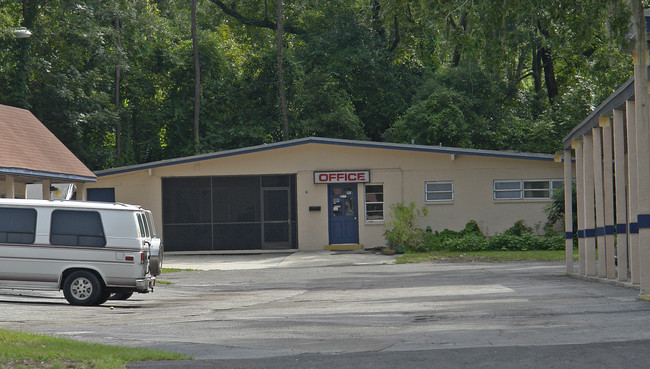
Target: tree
(282, 97)
(197, 77)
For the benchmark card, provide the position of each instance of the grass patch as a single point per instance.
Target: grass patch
(174, 270)
(482, 256)
(28, 350)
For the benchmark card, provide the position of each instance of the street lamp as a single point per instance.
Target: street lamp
(21, 33)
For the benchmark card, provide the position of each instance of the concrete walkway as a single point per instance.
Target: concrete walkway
(298, 259)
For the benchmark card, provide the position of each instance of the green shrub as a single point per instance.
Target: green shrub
(519, 229)
(472, 228)
(401, 230)
(470, 242)
(509, 242)
(518, 238)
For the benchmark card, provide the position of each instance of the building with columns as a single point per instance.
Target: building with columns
(30, 153)
(611, 152)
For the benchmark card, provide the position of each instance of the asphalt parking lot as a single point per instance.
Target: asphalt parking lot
(322, 310)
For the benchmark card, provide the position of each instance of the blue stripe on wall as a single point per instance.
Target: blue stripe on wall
(643, 221)
(634, 229)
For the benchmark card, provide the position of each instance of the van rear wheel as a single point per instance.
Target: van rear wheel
(83, 288)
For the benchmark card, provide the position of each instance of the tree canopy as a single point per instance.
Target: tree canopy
(115, 81)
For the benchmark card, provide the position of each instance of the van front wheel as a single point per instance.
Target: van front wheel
(83, 288)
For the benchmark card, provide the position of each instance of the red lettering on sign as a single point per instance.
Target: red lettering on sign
(341, 177)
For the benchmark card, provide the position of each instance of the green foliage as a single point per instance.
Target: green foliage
(483, 256)
(519, 229)
(517, 238)
(19, 348)
(462, 107)
(457, 73)
(555, 211)
(401, 230)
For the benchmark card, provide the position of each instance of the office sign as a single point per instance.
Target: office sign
(351, 176)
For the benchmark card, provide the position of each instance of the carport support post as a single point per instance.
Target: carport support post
(589, 206)
(622, 228)
(580, 198)
(46, 189)
(81, 191)
(608, 192)
(600, 207)
(10, 187)
(643, 167)
(568, 211)
(633, 193)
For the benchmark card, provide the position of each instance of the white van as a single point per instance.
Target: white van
(90, 250)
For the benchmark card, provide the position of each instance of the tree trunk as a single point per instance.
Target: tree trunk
(548, 66)
(197, 79)
(455, 62)
(549, 74)
(116, 97)
(281, 90)
(537, 70)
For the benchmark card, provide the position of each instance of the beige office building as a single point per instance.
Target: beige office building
(318, 193)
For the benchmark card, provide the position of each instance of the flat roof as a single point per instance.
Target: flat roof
(328, 141)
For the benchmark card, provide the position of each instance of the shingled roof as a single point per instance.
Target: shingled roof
(29, 150)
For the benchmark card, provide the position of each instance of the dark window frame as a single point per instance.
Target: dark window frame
(18, 236)
(373, 205)
(78, 238)
(431, 193)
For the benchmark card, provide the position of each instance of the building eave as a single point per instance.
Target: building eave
(326, 141)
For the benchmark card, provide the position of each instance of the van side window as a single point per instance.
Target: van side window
(17, 225)
(77, 228)
(142, 223)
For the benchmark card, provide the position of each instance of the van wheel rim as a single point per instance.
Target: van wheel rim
(81, 288)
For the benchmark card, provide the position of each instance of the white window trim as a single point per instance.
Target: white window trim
(522, 190)
(366, 203)
(439, 200)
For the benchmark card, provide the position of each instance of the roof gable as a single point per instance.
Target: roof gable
(28, 148)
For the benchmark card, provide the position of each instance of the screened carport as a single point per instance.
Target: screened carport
(229, 212)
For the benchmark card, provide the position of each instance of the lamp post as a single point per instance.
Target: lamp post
(21, 89)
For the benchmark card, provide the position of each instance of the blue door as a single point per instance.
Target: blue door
(343, 214)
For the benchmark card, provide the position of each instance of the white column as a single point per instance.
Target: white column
(608, 199)
(589, 206)
(633, 193)
(621, 196)
(597, 154)
(643, 186)
(580, 199)
(568, 211)
(10, 187)
(81, 191)
(46, 189)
